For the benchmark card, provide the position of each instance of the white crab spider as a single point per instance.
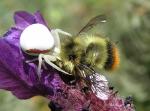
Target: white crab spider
(37, 40)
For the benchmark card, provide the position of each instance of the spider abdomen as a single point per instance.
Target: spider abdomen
(36, 39)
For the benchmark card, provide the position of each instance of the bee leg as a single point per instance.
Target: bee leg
(48, 59)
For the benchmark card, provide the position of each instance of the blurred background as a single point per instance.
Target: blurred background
(129, 25)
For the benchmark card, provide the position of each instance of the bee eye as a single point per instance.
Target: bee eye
(72, 57)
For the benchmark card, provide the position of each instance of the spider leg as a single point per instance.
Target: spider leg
(62, 32)
(44, 65)
(55, 34)
(48, 59)
(57, 41)
(28, 61)
(40, 64)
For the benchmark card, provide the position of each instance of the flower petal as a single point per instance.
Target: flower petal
(9, 78)
(39, 18)
(12, 36)
(14, 77)
(23, 19)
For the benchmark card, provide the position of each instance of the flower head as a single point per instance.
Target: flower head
(21, 78)
(15, 74)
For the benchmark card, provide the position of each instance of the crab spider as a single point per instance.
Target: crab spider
(37, 40)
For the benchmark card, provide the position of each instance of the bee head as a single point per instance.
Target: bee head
(72, 57)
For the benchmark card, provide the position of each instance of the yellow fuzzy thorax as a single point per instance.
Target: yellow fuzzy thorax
(88, 50)
(87, 39)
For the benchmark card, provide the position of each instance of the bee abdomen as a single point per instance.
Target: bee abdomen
(112, 61)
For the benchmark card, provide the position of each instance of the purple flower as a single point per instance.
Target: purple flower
(22, 80)
(15, 75)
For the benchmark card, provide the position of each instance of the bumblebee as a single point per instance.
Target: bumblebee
(84, 53)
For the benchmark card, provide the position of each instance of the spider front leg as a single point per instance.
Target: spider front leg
(49, 59)
(56, 31)
(40, 65)
(40, 59)
(55, 34)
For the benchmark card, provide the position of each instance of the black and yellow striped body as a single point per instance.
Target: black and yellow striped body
(89, 50)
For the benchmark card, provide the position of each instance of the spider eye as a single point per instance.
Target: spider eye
(36, 37)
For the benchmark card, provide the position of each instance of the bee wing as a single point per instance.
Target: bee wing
(97, 82)
(100, 86)
(93, 22)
